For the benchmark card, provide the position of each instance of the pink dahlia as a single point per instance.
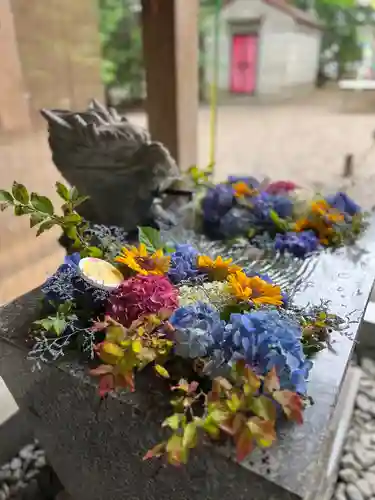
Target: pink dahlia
(279, 187)
(140, 296)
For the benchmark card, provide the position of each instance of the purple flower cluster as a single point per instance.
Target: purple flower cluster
(217, 202)
(298, 244)
(183, 264)
(343, 203)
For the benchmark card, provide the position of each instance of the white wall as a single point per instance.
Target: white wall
(288, 53)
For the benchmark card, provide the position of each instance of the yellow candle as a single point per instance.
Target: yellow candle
(100, 273)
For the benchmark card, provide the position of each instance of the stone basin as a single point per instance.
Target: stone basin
(97, 450)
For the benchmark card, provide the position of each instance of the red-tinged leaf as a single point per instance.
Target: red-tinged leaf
(252, 379)
(175, 451)
(263, 407)
(263, 431)
(99, 326)
(155, 452)
(129, 378)
(193, 386)
(239, 421)
(271, 381)
(244, 444)
(101, 370)
(291, 404)
(183, 385)
(214, 394)
(239, 368)
(224, 383)
(106, 385)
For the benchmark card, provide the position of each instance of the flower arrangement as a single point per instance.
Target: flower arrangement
(243, 350)
(271, 215)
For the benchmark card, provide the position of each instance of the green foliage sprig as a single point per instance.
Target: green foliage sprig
(43, 216)
(243, 409)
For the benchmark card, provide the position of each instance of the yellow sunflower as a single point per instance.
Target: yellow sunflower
(218, 269)
(140, 261)
(254, 289)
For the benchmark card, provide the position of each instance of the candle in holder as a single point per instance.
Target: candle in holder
(100, 273)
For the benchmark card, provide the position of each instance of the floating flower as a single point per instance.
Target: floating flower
(217, 202)
(343, 203)
(212, 292)
(243, 189)
(266, 340)
(322, 220)
(195, 326)
(281, 187)
(183, 265)
(217, 269)
(140, 261)
(264, 203)
(140, 296)
(254, 289)
(250, 181)
(298, 244)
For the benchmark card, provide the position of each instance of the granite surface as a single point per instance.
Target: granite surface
(97, 451)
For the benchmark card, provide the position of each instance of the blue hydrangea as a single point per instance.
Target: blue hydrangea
(298, 244)
(342, 202)
(217, 202)
(237, 221)
(183, 264)
(195, 326)
(265, 202)
(266, 339)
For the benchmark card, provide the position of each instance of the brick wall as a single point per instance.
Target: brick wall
(59, 52)
(13, 104)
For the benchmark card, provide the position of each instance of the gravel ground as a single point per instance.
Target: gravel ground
(28, 477)
(357, 468)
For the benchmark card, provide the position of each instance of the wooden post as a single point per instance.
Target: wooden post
(170, 41)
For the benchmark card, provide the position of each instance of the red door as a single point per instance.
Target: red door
(243, 64)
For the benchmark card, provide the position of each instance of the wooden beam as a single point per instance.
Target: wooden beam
(170, 41)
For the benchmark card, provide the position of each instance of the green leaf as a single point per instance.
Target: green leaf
(74, 194)
(6, 196)
(20, 193)
(72, 219)
(94, 252)
(45, 226)
(42, 203)
(190, 436)
(263, 407)
(36, 218)
(62, 191)
(150, 237)
(160, 370)
(173, 421)
(80, 200)
(59, 325)
(20, 210)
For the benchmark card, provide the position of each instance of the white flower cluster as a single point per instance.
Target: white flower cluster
(214, 293)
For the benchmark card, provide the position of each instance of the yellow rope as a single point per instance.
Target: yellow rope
(214, 85)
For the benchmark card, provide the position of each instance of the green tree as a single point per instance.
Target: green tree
(122, 58)
(340, 20)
